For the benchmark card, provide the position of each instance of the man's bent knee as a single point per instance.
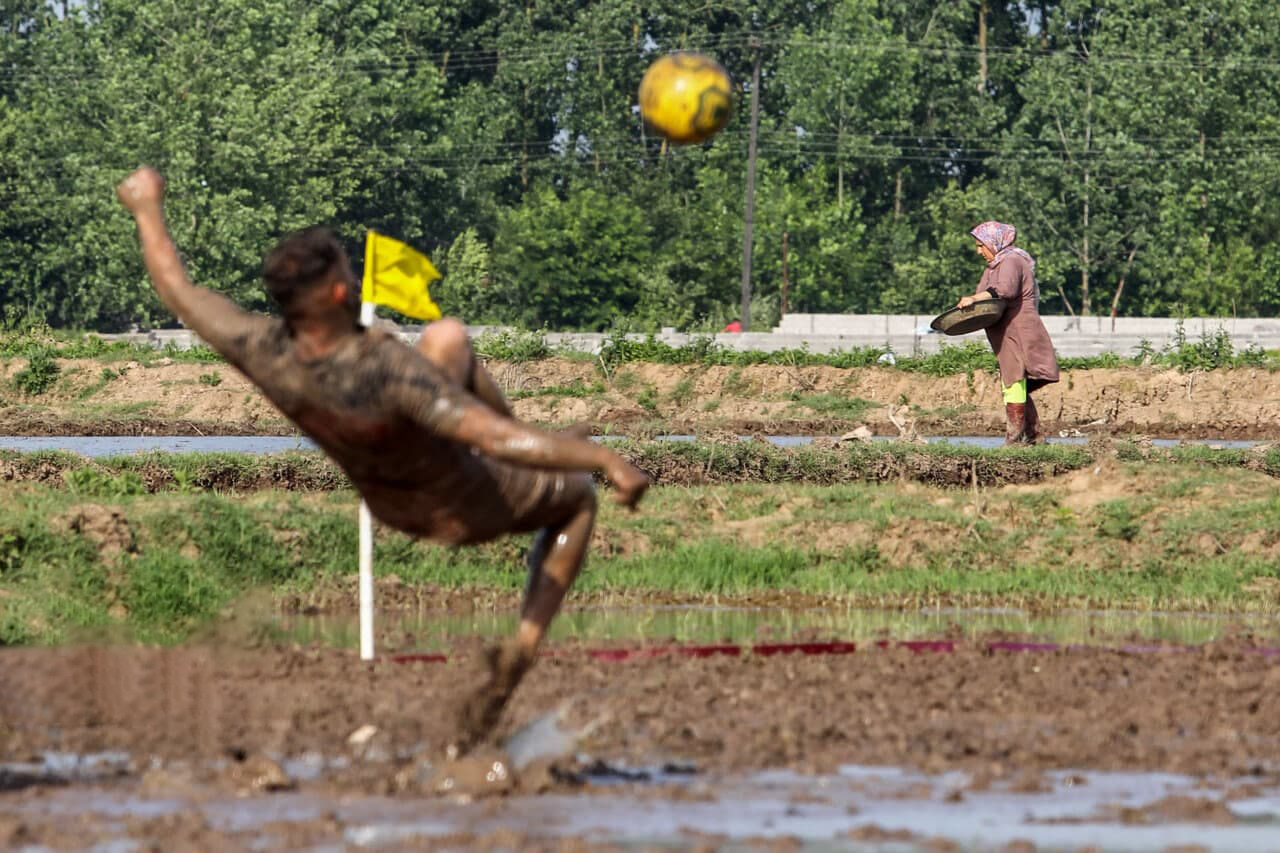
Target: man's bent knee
(444, 335)
(445, 344)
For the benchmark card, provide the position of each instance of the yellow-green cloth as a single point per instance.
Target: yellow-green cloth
(1015, 393)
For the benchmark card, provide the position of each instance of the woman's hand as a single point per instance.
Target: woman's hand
(966, 301)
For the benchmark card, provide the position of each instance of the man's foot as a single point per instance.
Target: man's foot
(481, 710)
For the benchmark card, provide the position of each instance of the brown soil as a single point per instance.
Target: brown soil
(192, 399)
(1158, 402)
(1208, 711)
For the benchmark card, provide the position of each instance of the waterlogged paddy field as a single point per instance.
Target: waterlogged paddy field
(253, 724)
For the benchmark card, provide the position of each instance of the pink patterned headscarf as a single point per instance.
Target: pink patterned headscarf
(998, 237)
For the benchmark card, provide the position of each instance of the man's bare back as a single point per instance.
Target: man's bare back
(424, 434)
(379, 409)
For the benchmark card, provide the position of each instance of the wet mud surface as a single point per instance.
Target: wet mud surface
(1211, 709)
(310, 746)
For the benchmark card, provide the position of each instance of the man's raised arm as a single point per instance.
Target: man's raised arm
(210, 315)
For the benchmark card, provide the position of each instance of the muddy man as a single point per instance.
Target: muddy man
(424, 434)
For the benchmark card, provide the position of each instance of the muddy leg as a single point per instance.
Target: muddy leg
(555, 559)
(1015, 428)
(1031, 425)
(445, 344)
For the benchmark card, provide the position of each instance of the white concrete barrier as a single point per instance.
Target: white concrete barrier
(904, 334)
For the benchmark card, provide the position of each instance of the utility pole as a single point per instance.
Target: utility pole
(982, 47)
(749, 216)
(782, 311)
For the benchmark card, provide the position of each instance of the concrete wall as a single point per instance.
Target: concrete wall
(905, 334)
(1072, 336)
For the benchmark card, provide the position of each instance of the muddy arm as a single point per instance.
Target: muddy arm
(454, 414)
(212, 316)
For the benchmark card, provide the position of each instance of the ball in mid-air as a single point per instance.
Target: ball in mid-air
(687, 97)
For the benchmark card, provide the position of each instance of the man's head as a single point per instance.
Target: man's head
(308, 274)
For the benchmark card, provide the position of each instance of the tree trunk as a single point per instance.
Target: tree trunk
(1084, 253)
(982, 46)
(749, 214)
(840, 157)
(1085, 259)
(1115, 303)
(524, 140)
(782, 311)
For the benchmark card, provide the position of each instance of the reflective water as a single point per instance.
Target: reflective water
(409, 631)
(112, 445)
(857, 809)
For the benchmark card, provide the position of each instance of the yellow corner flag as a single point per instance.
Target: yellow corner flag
(398, 276)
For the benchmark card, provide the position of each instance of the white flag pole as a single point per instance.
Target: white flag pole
(366, 546)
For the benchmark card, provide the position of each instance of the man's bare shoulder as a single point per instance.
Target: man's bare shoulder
(249, 339)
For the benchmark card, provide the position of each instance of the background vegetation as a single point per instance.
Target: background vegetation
(1132, 141)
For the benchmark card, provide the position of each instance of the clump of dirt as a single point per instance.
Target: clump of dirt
(1179, 810)
(105, 526)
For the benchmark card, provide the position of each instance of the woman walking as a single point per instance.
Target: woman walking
(1020, 340)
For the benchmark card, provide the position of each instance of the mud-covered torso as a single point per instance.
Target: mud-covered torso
(374, 405)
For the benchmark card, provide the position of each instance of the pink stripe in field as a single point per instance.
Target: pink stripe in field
(830, 648)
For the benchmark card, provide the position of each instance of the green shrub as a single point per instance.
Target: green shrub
(39, 374)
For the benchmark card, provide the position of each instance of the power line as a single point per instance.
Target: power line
(497, 54)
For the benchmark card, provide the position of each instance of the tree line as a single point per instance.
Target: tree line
(1133, 142)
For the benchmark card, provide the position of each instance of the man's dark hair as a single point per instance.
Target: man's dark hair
(300, 261)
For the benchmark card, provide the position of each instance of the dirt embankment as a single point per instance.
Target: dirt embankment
(91, 397)
(774, 399)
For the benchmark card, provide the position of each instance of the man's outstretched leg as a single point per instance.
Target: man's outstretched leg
(445, 344)
(555, 558)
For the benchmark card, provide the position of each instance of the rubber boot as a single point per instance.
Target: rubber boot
(1015, 429)
(1031, 424)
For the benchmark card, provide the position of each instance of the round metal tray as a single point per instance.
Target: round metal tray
(962, 321)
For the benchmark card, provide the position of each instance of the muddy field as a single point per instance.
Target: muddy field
(192, 399)
(200, 724)
(1124, 743)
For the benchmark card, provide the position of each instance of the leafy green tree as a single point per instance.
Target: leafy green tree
(569, 262)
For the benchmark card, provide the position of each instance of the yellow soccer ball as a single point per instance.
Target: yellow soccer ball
(687, 97)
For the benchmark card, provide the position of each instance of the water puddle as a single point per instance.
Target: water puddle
(435, 632)
(856, 809)
(103, 446)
